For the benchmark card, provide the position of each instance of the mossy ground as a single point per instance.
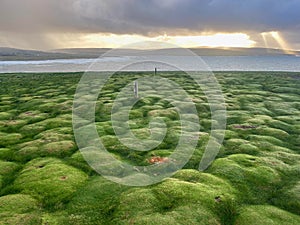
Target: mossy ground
(255, 178)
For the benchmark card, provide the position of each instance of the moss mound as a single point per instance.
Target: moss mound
(60, 148)
(56, 218)
(266, 215)
(7, 167)
(22, 219)
(50, 181)
(56, 134)
(6, 154)
(7, 174)
(8, 139)
(18, 209)
(249, 174)
(31, 130)
(17, 203)
(96, 202)
(41, 148)
(289, 198)
(192, 214)
(188, 196)
(5, 115)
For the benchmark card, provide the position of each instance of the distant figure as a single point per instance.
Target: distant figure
(136, 89)
(155, 71)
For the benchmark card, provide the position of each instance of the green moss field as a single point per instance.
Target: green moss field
(255, 178)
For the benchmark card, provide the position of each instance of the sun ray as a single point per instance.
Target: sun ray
(274, 39)
(265, 39)
(281, 42)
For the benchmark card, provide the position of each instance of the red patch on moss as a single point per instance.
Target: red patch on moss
(158, 159)
(63, 177)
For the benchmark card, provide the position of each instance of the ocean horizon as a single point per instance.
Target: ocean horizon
(135, 63)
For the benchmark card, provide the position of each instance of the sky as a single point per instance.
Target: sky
(50, 24)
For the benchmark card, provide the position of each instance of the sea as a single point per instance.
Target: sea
(161, 62)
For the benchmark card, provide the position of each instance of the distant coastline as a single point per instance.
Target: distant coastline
(12, 54)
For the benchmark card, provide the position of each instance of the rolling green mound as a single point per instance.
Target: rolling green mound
(267, 215)
(255, 178)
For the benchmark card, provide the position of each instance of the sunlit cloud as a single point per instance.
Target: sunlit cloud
(215, 40)
(114, 40)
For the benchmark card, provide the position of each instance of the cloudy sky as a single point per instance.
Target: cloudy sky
(47, 24)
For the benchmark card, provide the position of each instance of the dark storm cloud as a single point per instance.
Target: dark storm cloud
(149, 16)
